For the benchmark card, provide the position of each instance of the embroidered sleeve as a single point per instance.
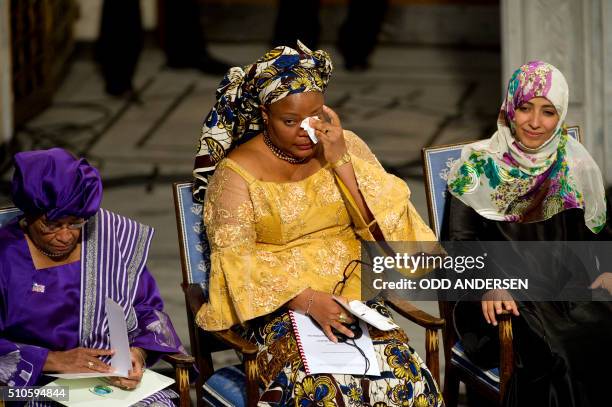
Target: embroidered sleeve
(387, 197)
(155, 333)
(228, 213)
(20, 364)
(245, 282)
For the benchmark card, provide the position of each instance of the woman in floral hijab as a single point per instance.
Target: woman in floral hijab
(503, 179)
(531, 181)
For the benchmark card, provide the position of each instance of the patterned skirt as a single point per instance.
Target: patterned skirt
(404, 381)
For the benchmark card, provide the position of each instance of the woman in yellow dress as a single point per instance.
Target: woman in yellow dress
(286, 216)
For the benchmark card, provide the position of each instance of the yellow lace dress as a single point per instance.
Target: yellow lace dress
(269, 241)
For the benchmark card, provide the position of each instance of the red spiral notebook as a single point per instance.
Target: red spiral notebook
(320, 355)
(298, 340)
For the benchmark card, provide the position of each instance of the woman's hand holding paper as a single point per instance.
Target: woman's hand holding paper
(135, 375)
(77, 360)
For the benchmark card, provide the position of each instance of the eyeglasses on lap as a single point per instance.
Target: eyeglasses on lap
(345, 276)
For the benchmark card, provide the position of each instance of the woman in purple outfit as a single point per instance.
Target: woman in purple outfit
(58, 264)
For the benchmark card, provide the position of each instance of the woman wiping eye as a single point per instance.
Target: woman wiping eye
(285, 217)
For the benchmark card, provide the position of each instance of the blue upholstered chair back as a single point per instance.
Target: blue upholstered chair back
(221, 387)
(7, 214)
(437, 163)
(193, 242)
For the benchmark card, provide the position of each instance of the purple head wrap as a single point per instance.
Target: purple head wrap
(55, 183)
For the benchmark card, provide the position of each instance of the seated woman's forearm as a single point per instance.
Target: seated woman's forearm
(303, 301)
(324, 309)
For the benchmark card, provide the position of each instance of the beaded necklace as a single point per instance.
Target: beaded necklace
(280, 153)
(50, 255)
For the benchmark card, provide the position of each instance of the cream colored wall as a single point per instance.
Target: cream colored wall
(88, 24)
(573, 35)
(6, 89)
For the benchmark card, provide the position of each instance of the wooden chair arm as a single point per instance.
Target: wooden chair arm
(249, 351)
(195, 299)
(179, 360)
(430, 323)
(506, 351)
(237, 342)
(181, 363)
(252, 390)
(414, 314)
(432, 353)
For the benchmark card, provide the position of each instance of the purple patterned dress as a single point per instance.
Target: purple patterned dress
(61, 308)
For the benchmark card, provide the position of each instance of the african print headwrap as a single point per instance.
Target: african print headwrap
(236, 116)
(505, 181)
(55, 183)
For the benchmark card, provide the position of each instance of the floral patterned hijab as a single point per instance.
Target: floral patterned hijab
(236, 116)
(503, 180)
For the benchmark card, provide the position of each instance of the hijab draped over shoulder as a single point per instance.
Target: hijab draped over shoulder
(236, 116)
(503, 180)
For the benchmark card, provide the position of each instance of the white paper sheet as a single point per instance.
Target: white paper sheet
(81, 391)
(324, 356)
(121, 360)
(369, 315)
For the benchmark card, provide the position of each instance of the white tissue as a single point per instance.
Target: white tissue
(311, 132)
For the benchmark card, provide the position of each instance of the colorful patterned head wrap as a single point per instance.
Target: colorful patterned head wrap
(534, 79)
(55, 183)
(236, 116)
(505, 181)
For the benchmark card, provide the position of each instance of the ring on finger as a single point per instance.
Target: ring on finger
(342, 318)
(90, 364)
